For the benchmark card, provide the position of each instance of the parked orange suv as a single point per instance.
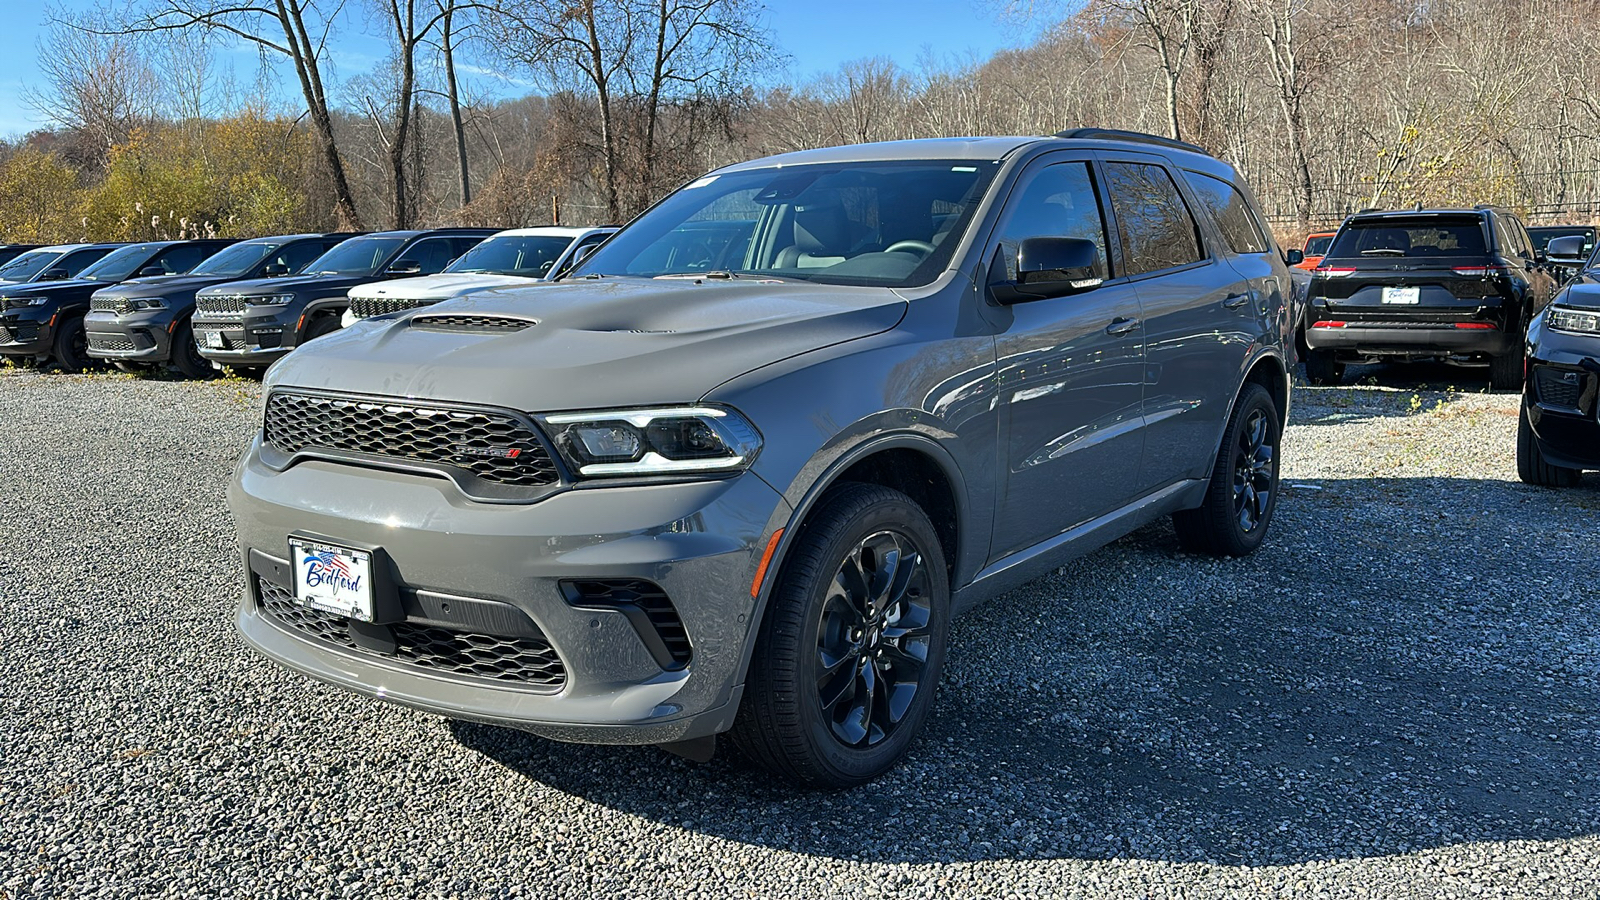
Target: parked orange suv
(1316, 247)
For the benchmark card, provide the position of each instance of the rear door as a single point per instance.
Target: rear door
(1199, 320)
(1396, 270)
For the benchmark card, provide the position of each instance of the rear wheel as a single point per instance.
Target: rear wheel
(1239, 500)
(186, 356)
(1505, 372)
(1532, 467)
(849, 652)
(1323, 368)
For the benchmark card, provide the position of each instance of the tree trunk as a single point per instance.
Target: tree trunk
(306, 67)
(446, 44)
(608, 136)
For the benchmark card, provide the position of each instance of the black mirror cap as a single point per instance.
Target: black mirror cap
(55, 275)
(1565, 251)
(274, 270)
(151, 271)
(405, 267)
(1051, 267)
(1294, 257)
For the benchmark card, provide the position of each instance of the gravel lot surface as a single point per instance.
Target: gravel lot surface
(1399, 696)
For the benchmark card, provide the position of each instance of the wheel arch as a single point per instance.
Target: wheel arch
(1267, 369)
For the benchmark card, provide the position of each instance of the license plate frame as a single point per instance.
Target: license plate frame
(332, 578)
(214, 341)
(1402, 296)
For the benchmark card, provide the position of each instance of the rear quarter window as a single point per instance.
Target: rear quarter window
(1232, 214)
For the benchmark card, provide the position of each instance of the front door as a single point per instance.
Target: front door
(1071, 370)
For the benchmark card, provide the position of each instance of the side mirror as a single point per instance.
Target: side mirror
(1294, 257)
(55, 275)
(404, 267)
(151, 271)
(1050, 267)
(274, 270)
(1565, 251)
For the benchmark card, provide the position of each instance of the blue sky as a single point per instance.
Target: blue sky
(817, 35)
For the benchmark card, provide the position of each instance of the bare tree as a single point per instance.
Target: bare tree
(96, 84)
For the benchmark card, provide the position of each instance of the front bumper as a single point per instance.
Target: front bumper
(1358, 339)
(144, 337)
(699, 541)
(259, 336)
(1562, 396)
(29, 331)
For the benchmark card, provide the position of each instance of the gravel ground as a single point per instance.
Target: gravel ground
(1396, 697)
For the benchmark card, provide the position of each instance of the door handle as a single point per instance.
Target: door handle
(1122, 325)
(1234, 301)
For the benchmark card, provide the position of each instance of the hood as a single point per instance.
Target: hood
(49, 288)
(317, 285)
(436, 287)
(594, 344)
(161, 286)
(1583, 293)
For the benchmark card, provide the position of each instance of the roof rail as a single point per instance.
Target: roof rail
(1138, 137)
(1370, 209)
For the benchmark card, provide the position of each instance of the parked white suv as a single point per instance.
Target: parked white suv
(513, 257)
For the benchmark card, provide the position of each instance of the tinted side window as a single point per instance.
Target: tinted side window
(1158, 231)
(298, 256)
(432, 255)
(80, 260)
(177, 260)
(1231, 213)
(461, 245)
(1056, 201)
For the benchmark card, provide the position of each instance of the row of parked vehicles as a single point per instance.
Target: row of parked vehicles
(1473, 287)
(197, 305)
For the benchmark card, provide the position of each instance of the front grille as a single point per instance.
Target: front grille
(98, 303)
(658, 623)
(470, 323)
(366, 307)
(528, 660)
(220, 304)
(21, 333)
(493, 446)
(110, 343)
(5, 335)
(1555, 390)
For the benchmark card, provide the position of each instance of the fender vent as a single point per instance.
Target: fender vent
(470, 323)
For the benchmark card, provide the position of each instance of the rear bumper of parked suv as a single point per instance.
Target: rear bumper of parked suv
(144, 337)
(1408, 340)
(29, 331)
(609, 664)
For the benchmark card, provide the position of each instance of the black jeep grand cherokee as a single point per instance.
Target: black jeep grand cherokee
(1456, 285)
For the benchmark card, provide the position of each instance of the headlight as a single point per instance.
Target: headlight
(269, 300)
(22, 302)
(654, 441)
(1563, 318)
(132, 304)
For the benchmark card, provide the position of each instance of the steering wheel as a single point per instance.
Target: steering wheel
(923, 247)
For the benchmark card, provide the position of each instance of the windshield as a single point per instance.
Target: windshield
(1416, 238)
(1543, 236)
(235, 261)
(1318, 246)
(28, 266)
(891, 224)
(117, 265)
(528, 255)
(357, 256)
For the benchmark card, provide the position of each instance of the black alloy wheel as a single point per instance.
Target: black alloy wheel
(1234, 514)
(873, 633)
(1255, 471)
(848, 654)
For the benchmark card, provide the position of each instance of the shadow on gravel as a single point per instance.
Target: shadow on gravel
(1386, 392)
(1407, 663)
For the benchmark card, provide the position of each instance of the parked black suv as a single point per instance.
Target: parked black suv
(8, 252)
(1558, 432)
(661, 499)
(251, 324)
(145, 321)
(45, 319)
(1457, 285)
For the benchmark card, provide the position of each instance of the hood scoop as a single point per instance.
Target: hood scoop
(458, 322)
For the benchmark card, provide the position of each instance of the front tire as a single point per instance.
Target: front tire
(321, 325)
(1243, 491)
(72, 345)
(1505, 372)
(1532, 467)
(186, 356)
(849, 652)
(1323, 368)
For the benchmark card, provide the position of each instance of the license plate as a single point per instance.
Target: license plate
(1404, 295)
(334, 580)
(214, 340)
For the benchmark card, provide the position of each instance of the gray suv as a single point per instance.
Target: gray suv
(746, 488)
